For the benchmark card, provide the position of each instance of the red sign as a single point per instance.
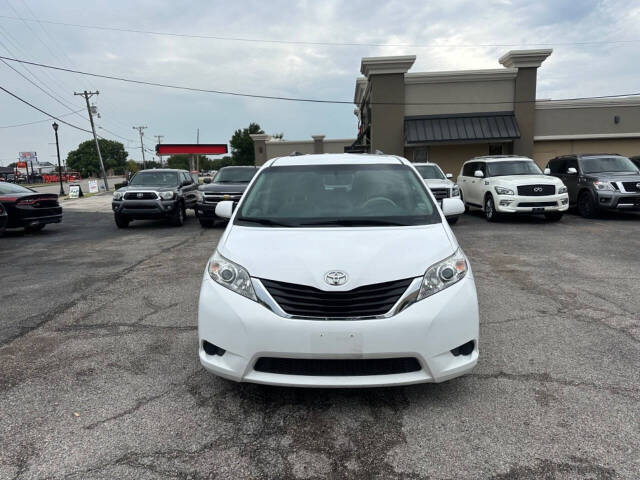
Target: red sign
(191, 148)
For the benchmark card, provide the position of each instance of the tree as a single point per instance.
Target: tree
(242, 145)
(85, 158)
(132, 166)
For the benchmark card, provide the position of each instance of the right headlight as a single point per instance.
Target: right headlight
(444, 274)
(117, 195)
(455, 191)
(231, 275)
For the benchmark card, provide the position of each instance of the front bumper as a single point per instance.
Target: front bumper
(145, 209)
(427, 330)
(621, 201)
(533, 204)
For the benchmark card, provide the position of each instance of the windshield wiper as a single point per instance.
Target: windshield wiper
(344, 222)
(264, 221)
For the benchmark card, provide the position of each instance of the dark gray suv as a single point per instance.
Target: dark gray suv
(598, 181)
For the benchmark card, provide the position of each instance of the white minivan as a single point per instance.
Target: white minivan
(338, 270)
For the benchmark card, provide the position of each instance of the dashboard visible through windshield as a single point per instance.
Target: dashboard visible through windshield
(337, 195)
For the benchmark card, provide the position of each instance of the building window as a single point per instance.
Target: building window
(421, 155)
(495, 149)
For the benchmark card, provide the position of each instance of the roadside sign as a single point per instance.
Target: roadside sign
(75, 191)
(93, 186)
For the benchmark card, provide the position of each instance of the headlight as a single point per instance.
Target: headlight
(504, 191)
(603, 185)
(199, 196)
(117, 195)
(444, 274)
(562, 189)
(166, 195)
(231, 275)
(455, 191)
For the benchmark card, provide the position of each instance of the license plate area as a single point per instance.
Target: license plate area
(538, 210)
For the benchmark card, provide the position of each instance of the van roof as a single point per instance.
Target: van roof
(336, 159)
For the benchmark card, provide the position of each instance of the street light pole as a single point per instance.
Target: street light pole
(55, 129)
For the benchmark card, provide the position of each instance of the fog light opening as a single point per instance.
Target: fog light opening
(464, 349)
(211, 349)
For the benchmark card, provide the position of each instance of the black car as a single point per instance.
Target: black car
(598, 181)
(4, 219)
(228, 184)
(151, 194)
(28, 209)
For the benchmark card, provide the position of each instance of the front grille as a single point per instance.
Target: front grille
(537, 204)
(440, 193)
(536, 190)
(337, 367)
(631, 186)
(219, 197)
(365, 301)
(140, 196)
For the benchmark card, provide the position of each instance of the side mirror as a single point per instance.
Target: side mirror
(450, 207)
(207, 180)
(547, 171)
(571, 171)
(224, 209)
(448, 175)
(478, 174)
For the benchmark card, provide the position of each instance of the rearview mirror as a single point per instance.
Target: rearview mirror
(224, 209)
(207, 180)
(547, 171)
(450, 207)
(478, 174)
(448, 175)
(571, 171)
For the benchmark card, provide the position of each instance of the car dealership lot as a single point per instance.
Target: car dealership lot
(99, 375)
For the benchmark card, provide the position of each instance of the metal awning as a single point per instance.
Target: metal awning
(498, 126)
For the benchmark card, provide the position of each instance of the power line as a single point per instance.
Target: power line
(38, 121)
(294, 99)
(318, 43)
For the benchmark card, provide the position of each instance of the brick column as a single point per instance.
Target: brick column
(259, 147)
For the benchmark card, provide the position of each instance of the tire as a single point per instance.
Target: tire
(587, 207)
(452, 220)
(490, 209)
(34, 228)
(553, 216)
(121, 220)
(206, 223)
(178, 217)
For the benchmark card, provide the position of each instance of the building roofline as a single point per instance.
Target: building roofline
(545, 104)
(460, 76)
(585, 136)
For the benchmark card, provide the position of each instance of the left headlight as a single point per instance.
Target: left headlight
(444, 274)
(504, 191)
(166, 195)
(562, 189)
(231, 275)
(455, 191)
(117, 195)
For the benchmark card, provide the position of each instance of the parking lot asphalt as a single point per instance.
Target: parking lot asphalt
(99, 376)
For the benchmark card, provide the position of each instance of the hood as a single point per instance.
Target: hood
(438, 183)
(614, 177)
(515, 180)
(223, 187)
(367, 254)
(146, 188)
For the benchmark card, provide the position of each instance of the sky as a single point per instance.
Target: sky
(444, 35)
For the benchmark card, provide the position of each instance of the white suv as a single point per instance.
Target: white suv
(438, 183)
(511, 184)
(338, 270)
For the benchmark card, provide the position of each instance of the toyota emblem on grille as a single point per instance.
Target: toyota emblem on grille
(335, 278)
(140, 195)
(537, 189)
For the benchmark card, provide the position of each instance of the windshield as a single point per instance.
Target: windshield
(607, 164)
(517, 167)
(337, 195)
(165, 179)
(11, 188)
(430, 171)
(235, 175)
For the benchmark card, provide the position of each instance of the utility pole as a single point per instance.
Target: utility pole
(140, 130)
(87, 96)
(159, 139)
